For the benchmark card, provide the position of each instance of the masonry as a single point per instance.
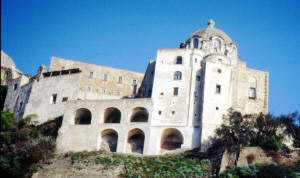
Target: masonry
(176, 104)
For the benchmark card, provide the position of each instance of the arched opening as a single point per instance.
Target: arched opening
(109, 140)
(217, 44)
(112, 115)
(171, 139)
(177, 75)
(139, 114)
(83, 116)
(196, 43)
(135, 141)
(179, 60)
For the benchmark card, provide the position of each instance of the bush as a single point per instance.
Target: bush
(271, 143)
(259, 170)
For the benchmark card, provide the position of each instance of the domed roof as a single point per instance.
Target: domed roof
(211, 31)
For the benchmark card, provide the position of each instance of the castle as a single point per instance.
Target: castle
(176, 104)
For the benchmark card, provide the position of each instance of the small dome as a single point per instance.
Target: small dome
(211, 31)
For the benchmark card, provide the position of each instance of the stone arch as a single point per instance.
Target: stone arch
(178, 60)
(171, 139)
(112, 115)
(139, 114)
(109, 140)
(83, 116)
(135, 141)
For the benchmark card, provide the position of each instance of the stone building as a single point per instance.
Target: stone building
(176, 104)
(8, 69)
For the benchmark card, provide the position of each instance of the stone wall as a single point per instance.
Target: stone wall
(94, 85)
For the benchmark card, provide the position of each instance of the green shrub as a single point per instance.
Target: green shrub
(271, 143)
(7, 121)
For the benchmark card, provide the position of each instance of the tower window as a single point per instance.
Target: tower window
(179, 60)
(159, 112)
(218, 89)
(120, 80)
(196, 42)
(64, 99)
(15, 86)
(105, 77)
(217, 45)
(91, 74)
(53, 99)
(89, 89)
(177, 75)
(176, 91)
(252, 94)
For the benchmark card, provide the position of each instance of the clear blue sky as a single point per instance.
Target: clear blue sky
(126, 34)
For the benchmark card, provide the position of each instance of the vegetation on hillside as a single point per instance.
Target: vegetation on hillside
(187, 164)
(24, 144)
(263, 171)
(262, 130)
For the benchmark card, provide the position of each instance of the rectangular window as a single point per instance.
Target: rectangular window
(62, 68)
(103, 90)
(91, 74)
(118, 93)
(252, 94)
(89, 89)
(218, 89)
(15, 86)
(64, 99)
(105, 77)
(198, 78)
(120, 80)
(134, 82)
(176, 91)
(159, 112)
(53, 99)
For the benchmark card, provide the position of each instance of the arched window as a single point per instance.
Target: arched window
(83, 116)
(177, 75)
(136, 138)
(217, 44)
(196, 43)
(179, 60)
(112, 115)
(171, 139)
(109, 140)
(139, 114)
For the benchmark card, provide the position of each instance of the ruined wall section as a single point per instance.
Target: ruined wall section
(145, 91)
(245, 79)
(17, 95)
(42, 101)
(98, 82)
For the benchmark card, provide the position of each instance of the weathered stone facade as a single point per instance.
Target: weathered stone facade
(177, 103)
(8, 69)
